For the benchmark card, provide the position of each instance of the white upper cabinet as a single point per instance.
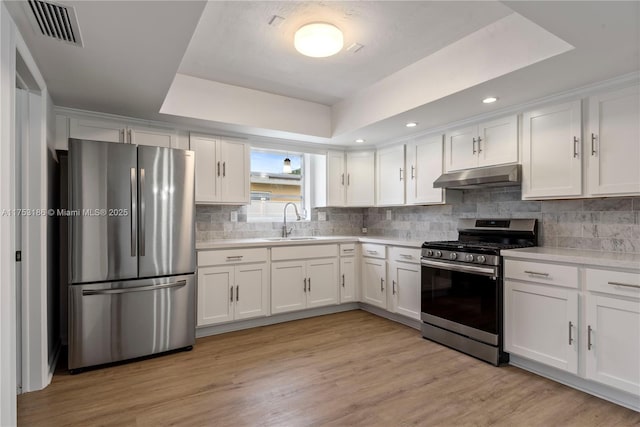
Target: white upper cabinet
(486, 144)
(390, 176)
(551, 157)
(613, 143)
(424, 165)
(222, 170)
(351, 178)
(112, 131)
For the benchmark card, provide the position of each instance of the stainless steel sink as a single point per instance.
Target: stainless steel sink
(288, 239)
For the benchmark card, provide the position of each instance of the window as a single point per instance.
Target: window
(272, 188)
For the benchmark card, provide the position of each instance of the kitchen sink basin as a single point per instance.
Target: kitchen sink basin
(289, 239)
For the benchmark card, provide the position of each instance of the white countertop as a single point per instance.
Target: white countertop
(265, 242)
(577, 256)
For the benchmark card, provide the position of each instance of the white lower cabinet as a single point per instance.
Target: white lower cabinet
(405, 286)
(229, 292)
(348, 279)
(541, 324)
(301, 284)
(374, 280)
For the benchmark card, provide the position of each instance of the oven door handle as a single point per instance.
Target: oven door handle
(485, 271)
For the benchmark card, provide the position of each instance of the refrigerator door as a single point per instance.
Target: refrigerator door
(115, 321)
(102, 209)
(166, 214)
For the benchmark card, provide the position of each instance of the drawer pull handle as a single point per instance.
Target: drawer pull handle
(372, 252)
(234, 258)
(626, 285)
(589, 337)
(570, 337)
(406, 256)
(537, 273)
(347, 250)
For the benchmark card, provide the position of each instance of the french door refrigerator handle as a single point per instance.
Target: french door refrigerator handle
(178, 284)
(133, 214)
(142, 214)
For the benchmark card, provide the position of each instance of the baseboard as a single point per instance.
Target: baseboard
(206, 331)
(599, 390)
(412, 323)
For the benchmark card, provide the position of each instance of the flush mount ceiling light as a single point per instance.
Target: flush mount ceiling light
(318, 40)
(411, 124)
(489, 100)
(286, 167)
(359, 140)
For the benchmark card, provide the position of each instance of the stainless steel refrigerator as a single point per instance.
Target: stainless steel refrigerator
(131, 251)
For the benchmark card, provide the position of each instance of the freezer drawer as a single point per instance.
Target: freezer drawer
(116, 321)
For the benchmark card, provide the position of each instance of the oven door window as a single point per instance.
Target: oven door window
(465, 298)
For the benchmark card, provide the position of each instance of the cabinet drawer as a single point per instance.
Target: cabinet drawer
(232, 256)
(347, 249)
(613, 282)
(372, 250)
(303, 252)
(541, 272)
(410, 255)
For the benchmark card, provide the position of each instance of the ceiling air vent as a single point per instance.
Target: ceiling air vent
(55, 20)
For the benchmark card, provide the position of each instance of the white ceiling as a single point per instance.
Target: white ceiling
(134, 49)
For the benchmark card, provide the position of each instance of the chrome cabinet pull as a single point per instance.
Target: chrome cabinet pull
(406, 256)
(347, 250)
(370, 252)
(218, 168)
(130, 137)
(342, 179)
(343, 280)
(626, 285)
(305, 284)
(593, 144)
(536, 273)
(473, 146)
(348, 179)
(575, 146)
(123, 136)
(232, 294)
(589, 337)
(570, 337)
(134, 212)
(237, 293)
(393, 287)
(381, 284)
(479, 145)
(143, 209)
(400, 174)
(224, 169)
(413, 172)
(234, 257)
(309, 284)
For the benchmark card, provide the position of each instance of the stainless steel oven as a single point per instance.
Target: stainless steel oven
(462, 288)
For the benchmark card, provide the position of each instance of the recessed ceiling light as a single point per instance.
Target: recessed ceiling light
(318, 40)
(490, 100)
(359, 140)
(411, 124)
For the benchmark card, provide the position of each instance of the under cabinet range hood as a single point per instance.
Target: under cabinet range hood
(492, 176)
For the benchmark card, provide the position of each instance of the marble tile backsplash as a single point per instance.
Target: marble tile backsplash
(606, 224)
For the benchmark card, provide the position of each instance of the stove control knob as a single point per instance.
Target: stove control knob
(438, 254)
(453, 255)
(468, 258)
(481, 259)
(429, 252)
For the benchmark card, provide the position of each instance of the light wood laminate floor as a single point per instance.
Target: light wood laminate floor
(346, 369)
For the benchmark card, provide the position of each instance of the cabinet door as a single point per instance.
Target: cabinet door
(405, 289)
(428, 167)
(322, 282)
(498, 141)
(541, 324)
(96, 130)
(336, 178)
(152, 136)
(374, 282)
(207, 168)
(252, 291)
(461, 149)
(234, 185)
(347, 279)
(551, 157)
(613, 342)
(287, 286)
(390, 175)
(612, 143)
(214, 295)
(361, 179)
